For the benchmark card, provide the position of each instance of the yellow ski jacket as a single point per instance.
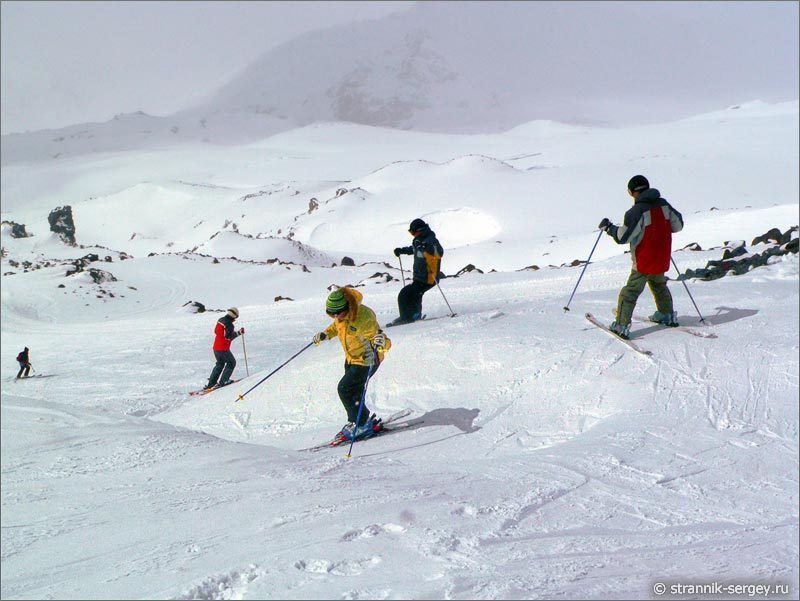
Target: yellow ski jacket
(357, 331)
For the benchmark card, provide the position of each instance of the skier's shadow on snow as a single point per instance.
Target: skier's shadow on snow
(461, 418)
(724, 315)
(730, 314)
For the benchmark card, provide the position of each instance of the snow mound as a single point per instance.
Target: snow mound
(462, 226)
(118, 220)
(476, 161)
(235, 245)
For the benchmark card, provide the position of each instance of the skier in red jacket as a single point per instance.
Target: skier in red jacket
(224, 333)
(648, 227)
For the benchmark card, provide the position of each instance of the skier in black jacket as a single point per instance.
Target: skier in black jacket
(427, 263)
(24, 364)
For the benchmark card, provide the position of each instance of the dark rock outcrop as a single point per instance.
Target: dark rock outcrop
(380, 277)
(195, 307)
(100, 277)
(731, 265)
(348, 262)
(774, 234)
(730, 253)
(468, 269)
(61, 223)
(79, 265)
(17, 229)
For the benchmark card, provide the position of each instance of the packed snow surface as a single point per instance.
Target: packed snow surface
(542, 458)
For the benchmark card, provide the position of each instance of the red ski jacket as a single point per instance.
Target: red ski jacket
(648, 227)
(224, 333)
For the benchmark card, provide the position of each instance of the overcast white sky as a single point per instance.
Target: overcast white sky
(71, 62)
(65, 63)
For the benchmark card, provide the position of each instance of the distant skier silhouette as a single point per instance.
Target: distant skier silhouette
(24, 364)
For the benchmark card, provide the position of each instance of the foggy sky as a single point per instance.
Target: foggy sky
(72, 62)
(65, 63)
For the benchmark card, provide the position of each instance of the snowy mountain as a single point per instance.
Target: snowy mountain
(481, 67)
(541, 458)
(477, 67)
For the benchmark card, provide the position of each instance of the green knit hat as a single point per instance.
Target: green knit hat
(336, 302)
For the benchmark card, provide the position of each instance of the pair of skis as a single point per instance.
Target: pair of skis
(31, 377)
(694, 332)
(204, 391)
(389, 425)
(395, 323)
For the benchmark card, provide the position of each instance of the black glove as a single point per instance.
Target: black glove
(604, 224)
(398, 251)
(241, 331)
(319, 337)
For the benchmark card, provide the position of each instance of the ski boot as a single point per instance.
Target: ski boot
(623, 332)
(665, 319)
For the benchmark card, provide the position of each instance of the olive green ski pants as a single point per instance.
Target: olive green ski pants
(633, 288)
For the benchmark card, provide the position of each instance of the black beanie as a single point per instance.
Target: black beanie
(638, 183)
(417, 225)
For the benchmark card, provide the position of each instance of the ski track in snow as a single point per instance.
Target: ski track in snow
(542, 458)
(606, 485)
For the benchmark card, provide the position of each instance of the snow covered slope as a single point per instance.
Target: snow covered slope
(542, 458)
(530, 196)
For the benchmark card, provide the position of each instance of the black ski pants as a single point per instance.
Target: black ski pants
(351, 390)
(24, 367)
(225, 364)
(409, 301)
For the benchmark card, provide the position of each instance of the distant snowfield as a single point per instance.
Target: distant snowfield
(542, 459)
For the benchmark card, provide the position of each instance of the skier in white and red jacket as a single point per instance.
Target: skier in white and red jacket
(648, 227)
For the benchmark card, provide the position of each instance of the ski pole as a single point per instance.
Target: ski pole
(402, 273)
(241, 396)
(445, 300)
(363, 402)
(244, 349)
(566, 308)
(702, 319)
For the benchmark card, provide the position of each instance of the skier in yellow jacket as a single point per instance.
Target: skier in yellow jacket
(364, 345)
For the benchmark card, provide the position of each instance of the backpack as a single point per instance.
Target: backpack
(20, 358)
